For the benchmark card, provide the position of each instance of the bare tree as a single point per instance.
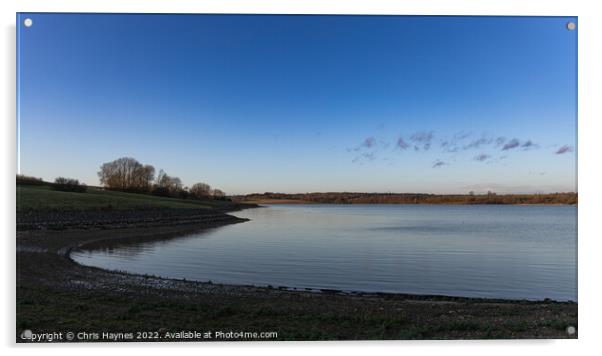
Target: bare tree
(218, 194)
(200, 190)
(176, 186)
(143, 177)
(167, 185)
(162, 179)
(126, 174)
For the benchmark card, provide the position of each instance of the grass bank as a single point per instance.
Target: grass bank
(43, 197)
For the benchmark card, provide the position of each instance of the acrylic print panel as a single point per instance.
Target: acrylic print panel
(274, 177)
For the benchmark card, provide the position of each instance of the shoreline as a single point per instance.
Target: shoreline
(63, 275)
(109, 243)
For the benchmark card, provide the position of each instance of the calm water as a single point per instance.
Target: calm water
(479, 251)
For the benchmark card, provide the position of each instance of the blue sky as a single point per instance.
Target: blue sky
(303, 103)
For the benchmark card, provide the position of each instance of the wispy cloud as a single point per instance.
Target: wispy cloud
(377, 148)
(514, 143)
(422, 140)
(461, 135)
(370, 156)
(478, 143)
(494, 160)
(402, 144)
(511, 144)
(564, 149)
(367, 156)
(458, 143)
(453, 144)
(367, 149)
(482, 157)
(527, 145)
(422, 136)
(438, 163)
(369, 142)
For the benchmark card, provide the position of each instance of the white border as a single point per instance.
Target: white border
(590, 178)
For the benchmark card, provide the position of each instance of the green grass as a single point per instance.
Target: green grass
(30, 197)
(47, 309)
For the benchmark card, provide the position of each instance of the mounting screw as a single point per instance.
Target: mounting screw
(571, 330)
(570, 26)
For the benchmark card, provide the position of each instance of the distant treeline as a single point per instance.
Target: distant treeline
(409, 198)
(60, 183)
(28, 180)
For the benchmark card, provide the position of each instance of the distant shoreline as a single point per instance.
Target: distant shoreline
(302, 202)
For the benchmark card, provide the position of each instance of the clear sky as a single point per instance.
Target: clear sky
(303, 103)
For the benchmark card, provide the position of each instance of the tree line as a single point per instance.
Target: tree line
(409, 198)
(60, 183)
(128, 175)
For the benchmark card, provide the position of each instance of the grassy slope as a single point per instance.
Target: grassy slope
(45, 198)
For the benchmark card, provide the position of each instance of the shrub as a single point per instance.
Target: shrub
(69, 185)
(219, 194)
(183, 193)
(160, 191)
(23, 179)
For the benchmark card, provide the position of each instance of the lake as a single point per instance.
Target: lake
(493, 251)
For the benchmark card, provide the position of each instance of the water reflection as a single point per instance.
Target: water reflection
(131, 249)
(482, 251)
